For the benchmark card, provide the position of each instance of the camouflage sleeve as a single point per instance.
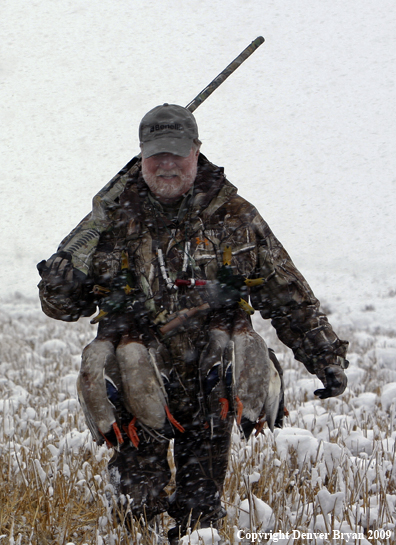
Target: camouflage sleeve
(65, 292)
(286, 299)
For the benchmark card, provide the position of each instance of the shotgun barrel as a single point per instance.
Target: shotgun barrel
(213, 85)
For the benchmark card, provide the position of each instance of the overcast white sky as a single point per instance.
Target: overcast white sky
(306, 128)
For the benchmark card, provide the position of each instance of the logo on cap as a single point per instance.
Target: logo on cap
(171, 126)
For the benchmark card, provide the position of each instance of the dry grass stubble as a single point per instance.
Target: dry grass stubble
(53, 479)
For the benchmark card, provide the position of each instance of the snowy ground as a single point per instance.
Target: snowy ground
(306, 129)
(330, 471)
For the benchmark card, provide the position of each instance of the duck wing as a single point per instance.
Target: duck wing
(91, 388)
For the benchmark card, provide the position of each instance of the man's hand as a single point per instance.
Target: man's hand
(336, 382)
(59, 274)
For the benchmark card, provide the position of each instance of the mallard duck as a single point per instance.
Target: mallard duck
(98, 410)
(140, 394)
(237, 373)
(212, 367)
(143, 378)
(143, 396)
(257, 383)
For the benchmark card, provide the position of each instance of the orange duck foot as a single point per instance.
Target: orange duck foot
(259, 427)
(108, 436)
(239, 407)
(131, 432)
(173, 421)
(224, 407)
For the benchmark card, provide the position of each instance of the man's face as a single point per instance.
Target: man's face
(170, 176)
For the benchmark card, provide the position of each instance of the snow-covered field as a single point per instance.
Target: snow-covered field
(330, 471)
(306, 129)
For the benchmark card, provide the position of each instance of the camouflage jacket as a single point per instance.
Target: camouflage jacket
(162, 248)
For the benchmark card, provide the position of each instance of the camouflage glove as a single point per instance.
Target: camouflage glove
(59, 275)
(335, 382)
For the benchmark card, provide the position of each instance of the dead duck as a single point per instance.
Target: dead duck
(117, 388)
(140, 394)
(237, 373)
(143, 379)
(257, 383)
(212, 367)
(236, 365)
(96, 389)
(99, 411)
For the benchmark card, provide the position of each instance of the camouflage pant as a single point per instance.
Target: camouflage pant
(200, 455)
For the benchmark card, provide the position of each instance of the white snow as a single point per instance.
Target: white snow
(330, 502)
(388, 397)
(262, 513)
(302, 441)
(306, 129)
(205, 536)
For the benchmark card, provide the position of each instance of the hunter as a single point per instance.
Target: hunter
(178, 266)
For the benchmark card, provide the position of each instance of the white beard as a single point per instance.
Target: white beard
(169, 190)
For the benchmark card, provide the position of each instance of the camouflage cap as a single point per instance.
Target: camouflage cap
(167, 129)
